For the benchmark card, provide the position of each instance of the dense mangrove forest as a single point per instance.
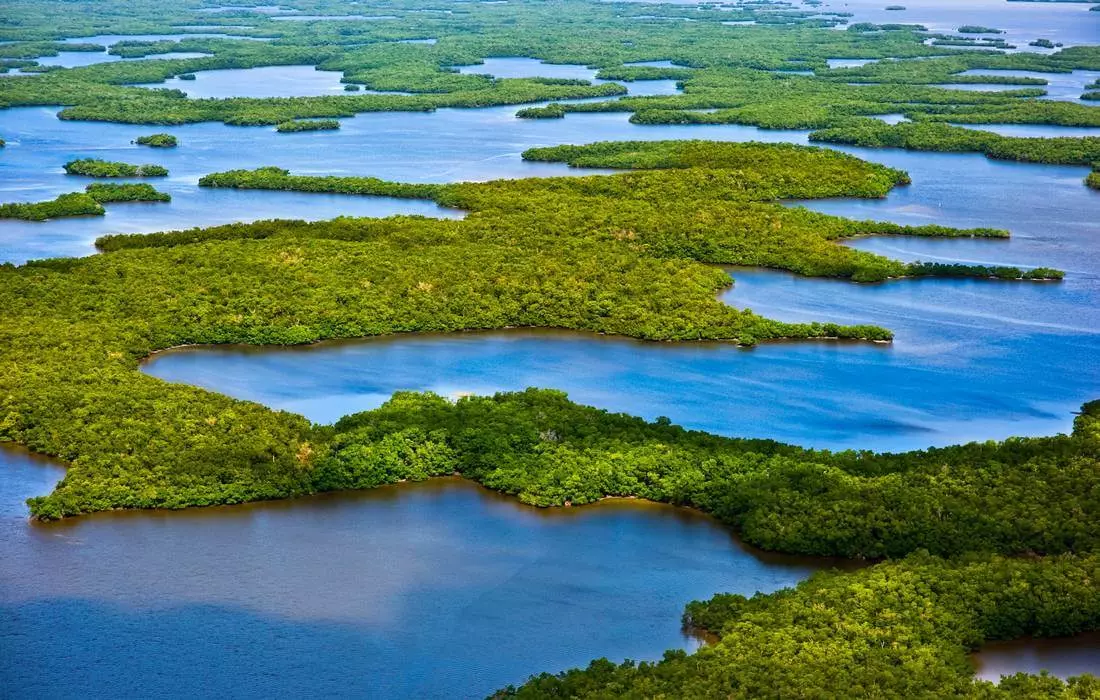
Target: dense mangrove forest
(157, 141)
(87, 203)
(93, 167)
(952, 547)
(628, 254)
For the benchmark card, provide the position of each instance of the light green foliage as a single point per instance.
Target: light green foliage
(629, 254)
(712, 202)
(609, 37)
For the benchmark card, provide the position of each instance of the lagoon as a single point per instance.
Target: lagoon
(265, 81)
(514, 67)
(434, 590)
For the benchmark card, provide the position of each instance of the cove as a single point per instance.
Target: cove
(517, 67)
(265, 81)
(1060, 86)
(948, 378)
(433, 590)
(1060, 656)
(971, 360)
(110, 39)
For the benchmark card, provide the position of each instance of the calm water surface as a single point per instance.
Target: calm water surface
(265, 81)
(111, 39)
(444, 146)
(434, 590)
(1063, 657)
(1022, 22)
(418, 590)
(515, 67)
(972, 360)
(1065, 87)
(75, 59)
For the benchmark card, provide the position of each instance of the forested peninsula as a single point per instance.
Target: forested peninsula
(629, 254)
(739, 184)
(86, 203)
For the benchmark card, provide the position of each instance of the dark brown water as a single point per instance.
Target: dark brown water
(1062, 656)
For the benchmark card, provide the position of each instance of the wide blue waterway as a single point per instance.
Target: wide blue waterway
(265, 81)
(434, 590)
(443, 146)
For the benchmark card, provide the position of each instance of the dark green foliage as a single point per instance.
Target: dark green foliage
(721, 67)
(871, 27)
(104, 192)
(1093, 179)
(92, 167)
(923, 269)
(1044, 44)
(37, 49)
(272, 178)
(547, 451)
(87, 203)
(308, 125)
(550, 111)
(73, 204)
(978, 29)
(896, 630)
(157, 141)
(632, 73)
(931, 136)
(629, 254)
(352, 87)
